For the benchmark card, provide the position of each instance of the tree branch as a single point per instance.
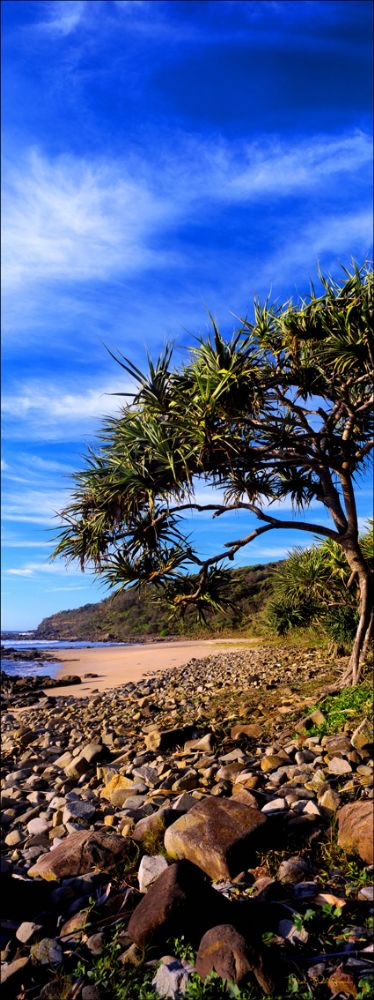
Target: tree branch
(364, 450)
(317, 529)
(332, 500)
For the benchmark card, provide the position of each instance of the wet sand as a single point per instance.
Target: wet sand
(118, 664)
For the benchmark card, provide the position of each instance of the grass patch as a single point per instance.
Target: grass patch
(349, 706)
(117, 981)
(330, 859)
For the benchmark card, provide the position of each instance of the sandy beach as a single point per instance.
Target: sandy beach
(118, 664)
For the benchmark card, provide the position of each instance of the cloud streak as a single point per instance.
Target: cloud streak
(70, 220)
(63, 17)
(31, 568)
(54, 414)
(34, 506)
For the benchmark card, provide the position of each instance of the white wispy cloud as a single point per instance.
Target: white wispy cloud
(332, 236)
(41, 466)
(72, 220)
(34, 506)
(31, 568)
(62, 16)
(54, 414)
(77, 220)
(302, 166)
(19, 572)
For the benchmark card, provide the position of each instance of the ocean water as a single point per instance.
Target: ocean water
(30, 668)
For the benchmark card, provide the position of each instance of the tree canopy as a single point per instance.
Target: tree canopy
(280, 412)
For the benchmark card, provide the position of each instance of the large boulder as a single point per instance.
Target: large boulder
(218, 835)
(180, 902)
(79, 853)
(226, 952)
(356, 830)
(150, 831)
(168, 739)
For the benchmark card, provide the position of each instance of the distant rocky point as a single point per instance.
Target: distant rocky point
(127, 616)
(10, 653)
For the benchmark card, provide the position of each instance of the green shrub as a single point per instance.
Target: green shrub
(340, 623)
(351, 704)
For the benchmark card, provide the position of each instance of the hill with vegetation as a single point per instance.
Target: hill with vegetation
(130, 613)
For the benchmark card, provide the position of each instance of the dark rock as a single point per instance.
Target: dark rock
(79, 853)
(12, 975)
(48, 951)
(169, 738)
(24, 898)
(180, 902)
(292, 870)
(226, 952)
(91, 992)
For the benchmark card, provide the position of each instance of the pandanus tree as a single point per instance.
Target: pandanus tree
(314, 586)
(281, 412)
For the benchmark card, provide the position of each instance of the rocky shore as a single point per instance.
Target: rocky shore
(20, 691)
(29, 655)
(202, 831)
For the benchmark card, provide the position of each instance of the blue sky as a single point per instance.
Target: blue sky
(160, 159)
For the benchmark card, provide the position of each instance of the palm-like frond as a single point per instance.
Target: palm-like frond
(279, 411)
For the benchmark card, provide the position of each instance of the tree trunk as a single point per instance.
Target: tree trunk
(368, 636)
(365, 624)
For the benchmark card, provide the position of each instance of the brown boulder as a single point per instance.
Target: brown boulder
(74, 926)
(242, 794)
(217, 835)
(241, 729)
(226, 952)
(180, 902)
(168, 738)
(79, 853)
(150, 830)
(356, 832)
(12, 974)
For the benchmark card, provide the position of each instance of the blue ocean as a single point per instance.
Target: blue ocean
(29, 668)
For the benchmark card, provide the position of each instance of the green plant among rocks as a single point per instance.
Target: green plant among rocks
(116, 981)
(343, 709)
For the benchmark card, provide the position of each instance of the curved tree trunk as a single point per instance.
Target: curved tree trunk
(366, 611)
(368, 636)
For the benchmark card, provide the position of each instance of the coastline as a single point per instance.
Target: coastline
(118, 665)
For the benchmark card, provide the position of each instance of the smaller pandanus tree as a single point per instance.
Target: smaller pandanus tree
(281, 412)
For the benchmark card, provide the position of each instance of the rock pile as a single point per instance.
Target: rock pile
(164, 806)
(19, 692)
